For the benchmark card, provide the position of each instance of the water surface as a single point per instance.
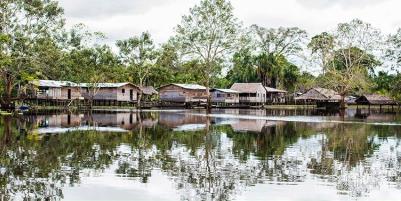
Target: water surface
(187, 155)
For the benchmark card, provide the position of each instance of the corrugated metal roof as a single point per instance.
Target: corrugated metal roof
(190, 86)
(225, 90)
(248, 87)
(106, 84)
(269, 89)
(54, 83)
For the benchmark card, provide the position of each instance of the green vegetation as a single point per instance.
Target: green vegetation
(210, 47)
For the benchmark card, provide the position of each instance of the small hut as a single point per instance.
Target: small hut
(183, 93)
(250, 93)
(322, 97)
(226, 96)
(148, 93)
(275, 95)
(375, 99)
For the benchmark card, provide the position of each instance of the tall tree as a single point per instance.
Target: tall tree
(322, 46)
(208, 34)
(355, 44)
(393, 51)
(274, 46)
(139, 55)
(22, 25)
(243, 69)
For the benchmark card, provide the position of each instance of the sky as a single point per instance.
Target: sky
(120, 19)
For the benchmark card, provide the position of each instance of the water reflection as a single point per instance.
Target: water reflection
(204, 158)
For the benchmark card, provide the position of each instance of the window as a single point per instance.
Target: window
(123, 91)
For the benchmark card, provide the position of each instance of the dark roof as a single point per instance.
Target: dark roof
(149, 90)
(225, 90)
(375, 99)
(320, 94)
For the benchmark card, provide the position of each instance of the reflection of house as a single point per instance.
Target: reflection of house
(123, 120)
(55, 90)
(224, 96)
(182, 120)
(252, 125)
(183, 93)
(250, 92)
(121, 92)
(321, 96)
(107, 122)
(375, 99)
(60, 120)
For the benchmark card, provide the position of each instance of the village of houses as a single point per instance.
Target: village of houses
(240, 95)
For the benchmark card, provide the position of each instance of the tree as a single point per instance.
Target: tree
(322, 46)
(393, 51)
(353, 46)
(291, 76)
(208, 34)
(274, 46)
(243, 69)
(139, 55)
(23, 24)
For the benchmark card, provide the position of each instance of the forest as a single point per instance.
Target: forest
(211, 46)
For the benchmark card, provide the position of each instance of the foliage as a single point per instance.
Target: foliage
(207, 35)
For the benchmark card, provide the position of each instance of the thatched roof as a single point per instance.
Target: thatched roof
(320, 94)
(149, 90)
(375, 99)
(248, 87)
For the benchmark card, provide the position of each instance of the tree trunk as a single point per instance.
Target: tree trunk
(6, 103)
(343, 105)
(209, 102)
(139, 100)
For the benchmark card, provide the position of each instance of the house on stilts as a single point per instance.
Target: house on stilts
(323, 98)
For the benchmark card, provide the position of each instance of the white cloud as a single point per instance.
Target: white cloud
(120, 19)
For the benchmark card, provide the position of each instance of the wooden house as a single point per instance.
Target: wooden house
(321, 97)
(375, 99)
(118, 92)
(250, 93)
(275, 95)
(54, 90)
(228, 96)
(183, 93)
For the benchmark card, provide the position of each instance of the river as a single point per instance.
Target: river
(232, 154)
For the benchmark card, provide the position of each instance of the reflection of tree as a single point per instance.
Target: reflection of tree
(211, 164)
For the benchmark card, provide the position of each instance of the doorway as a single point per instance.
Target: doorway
(131, 94)
(69, 93)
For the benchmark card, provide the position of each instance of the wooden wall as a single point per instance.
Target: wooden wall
(172, 93)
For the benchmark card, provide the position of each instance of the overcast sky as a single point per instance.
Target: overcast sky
(120, 19)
